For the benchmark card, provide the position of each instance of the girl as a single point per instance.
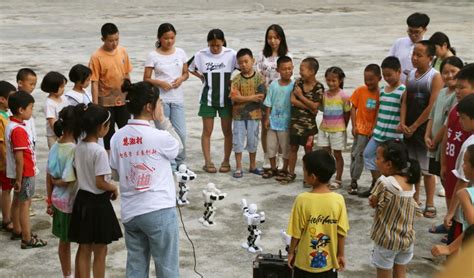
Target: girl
(214, 66)
(275, 47)
(443, 49)
(93, 222)
(81, 76)
(63, 188)
(149, 198)
(171, 69)
(336, 113)
(53, 83)
(395, 209)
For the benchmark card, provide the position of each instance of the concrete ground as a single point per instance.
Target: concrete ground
(54, 35)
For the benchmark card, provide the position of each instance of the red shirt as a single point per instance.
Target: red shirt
(18, 140)
(456, 137)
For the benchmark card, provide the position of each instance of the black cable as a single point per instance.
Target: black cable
(192, 244)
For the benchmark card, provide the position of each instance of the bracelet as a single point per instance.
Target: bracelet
(48, 201)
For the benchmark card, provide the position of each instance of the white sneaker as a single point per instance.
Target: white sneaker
(266, 162)
(441, 193)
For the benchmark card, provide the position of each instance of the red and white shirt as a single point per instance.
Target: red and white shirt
(18, 139)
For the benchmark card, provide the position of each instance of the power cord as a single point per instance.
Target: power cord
(192, 244)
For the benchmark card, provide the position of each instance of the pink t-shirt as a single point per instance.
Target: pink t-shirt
(334, 107)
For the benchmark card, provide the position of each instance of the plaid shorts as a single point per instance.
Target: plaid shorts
(27, 189)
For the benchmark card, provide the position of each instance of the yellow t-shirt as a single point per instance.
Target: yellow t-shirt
(316, 220)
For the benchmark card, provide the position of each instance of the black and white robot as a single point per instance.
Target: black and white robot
(183, 176)
(286, 239)
(210, 194)
(253, 219)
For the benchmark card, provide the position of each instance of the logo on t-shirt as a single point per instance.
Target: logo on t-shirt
(140, 176)
(371, 103)
(210, 66)
(318, 254)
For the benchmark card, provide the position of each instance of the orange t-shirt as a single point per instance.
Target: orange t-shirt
(367, 105)
(110, 69)
(3, 143)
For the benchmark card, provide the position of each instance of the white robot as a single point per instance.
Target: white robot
(253, 219)
(183, 175)
(210, 194)
(286, 239)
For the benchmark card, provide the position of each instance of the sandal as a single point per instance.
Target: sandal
(335, 185)
(288, 179)
(438, 229)
(268, 174)
(6, 228)
(429, 212)
(33, 243)
(16, 236)
(238, 174)
(225, 167)
(209, 168)
(353, 188)
(281, 175)
(257, 171)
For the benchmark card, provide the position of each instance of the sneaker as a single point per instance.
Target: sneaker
(441, 193)
(266, 162)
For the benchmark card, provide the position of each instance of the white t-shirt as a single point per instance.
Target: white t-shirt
(91, 160)
(141, 155)
(51, 110)
(403, 50)
(74, 98)
(31, 129)
(458, 170)
(267, 66)
(168, 68)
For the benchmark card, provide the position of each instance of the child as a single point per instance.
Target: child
(62, 190)
(365, 103)
(148, 198)
(214, 66)
(247, 94)
(423, 86)
(110, 65)
(171, 69)
(336, 107)
(93, 222)
(278, 115)
(53, 83)
(443, 49)
(275, 47)
(26, 80)
(439, 113)
(318, 222)
(403, 47)
(388, 116)
(6, 89)
(395, 209)
(80, 75)
(21, 168)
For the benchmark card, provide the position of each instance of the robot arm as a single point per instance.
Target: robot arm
(262, 217)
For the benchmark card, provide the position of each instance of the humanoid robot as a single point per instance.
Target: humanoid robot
(183, 175)
(210, 194)
(253, 219)
(286, 239)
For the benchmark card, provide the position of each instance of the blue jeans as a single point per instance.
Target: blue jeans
(175, 113)
(370, 154)
(157, 234)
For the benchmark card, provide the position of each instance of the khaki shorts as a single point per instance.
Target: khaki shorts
(335, 140)
(277, 140)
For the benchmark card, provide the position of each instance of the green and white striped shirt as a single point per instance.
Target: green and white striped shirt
(388, 117)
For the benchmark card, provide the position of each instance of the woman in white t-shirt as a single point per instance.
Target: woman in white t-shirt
(140, 156)
(171, 69)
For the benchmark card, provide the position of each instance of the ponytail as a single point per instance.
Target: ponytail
(67, 122)
(140, 94)
(90, 117)
(412, 172)
(397, 153)
(162, 29)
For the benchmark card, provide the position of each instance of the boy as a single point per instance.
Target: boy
(278, 114)
(110, 65)
(247, 94)
(21, 168)
(365, 103)
(26, 80)
(306, 98)
(388, 116)
(318, 222)
(422, 88)
(459, 132)
(6, 89)
(403, 47)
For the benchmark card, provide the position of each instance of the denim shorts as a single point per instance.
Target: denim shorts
(385, 259)
(245, 129)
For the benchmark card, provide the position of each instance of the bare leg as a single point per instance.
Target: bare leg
(285, 165)
(384, 273)
(83, 260)
(238, 161)
(252, 157)
(100, 252)
(339, 164)
(64, 252)
(430, 188)
(6, 206)
(264, 136)
(292, 157)
(399, 271)
(226, 124)
(273, 163)
(25, 220)
(208, 126)
(15, 214)
(417, 193)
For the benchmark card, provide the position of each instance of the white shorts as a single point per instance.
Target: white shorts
(335, 140)
(385, 259)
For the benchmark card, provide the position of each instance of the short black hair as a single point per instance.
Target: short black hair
(321, 164)
(24, 73)
(6, 88)
(52, 81)
(466, 73)
(79, 73)
(312, 62)
(108, 29)
(391, 62)
(283, 59)
(374, 68)
(19, 100)
(466, 105)
(216, 34)
(430, 47)
(417, 20)
(243, 52)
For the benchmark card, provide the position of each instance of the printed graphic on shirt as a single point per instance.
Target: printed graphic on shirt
(140, 176)
(371, 103)
(318, 254)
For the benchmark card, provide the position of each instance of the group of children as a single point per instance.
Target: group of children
(394, 126)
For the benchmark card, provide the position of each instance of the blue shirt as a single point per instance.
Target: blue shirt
(278, 99)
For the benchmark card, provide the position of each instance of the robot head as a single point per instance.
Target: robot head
(252, 208)
(182, 168)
